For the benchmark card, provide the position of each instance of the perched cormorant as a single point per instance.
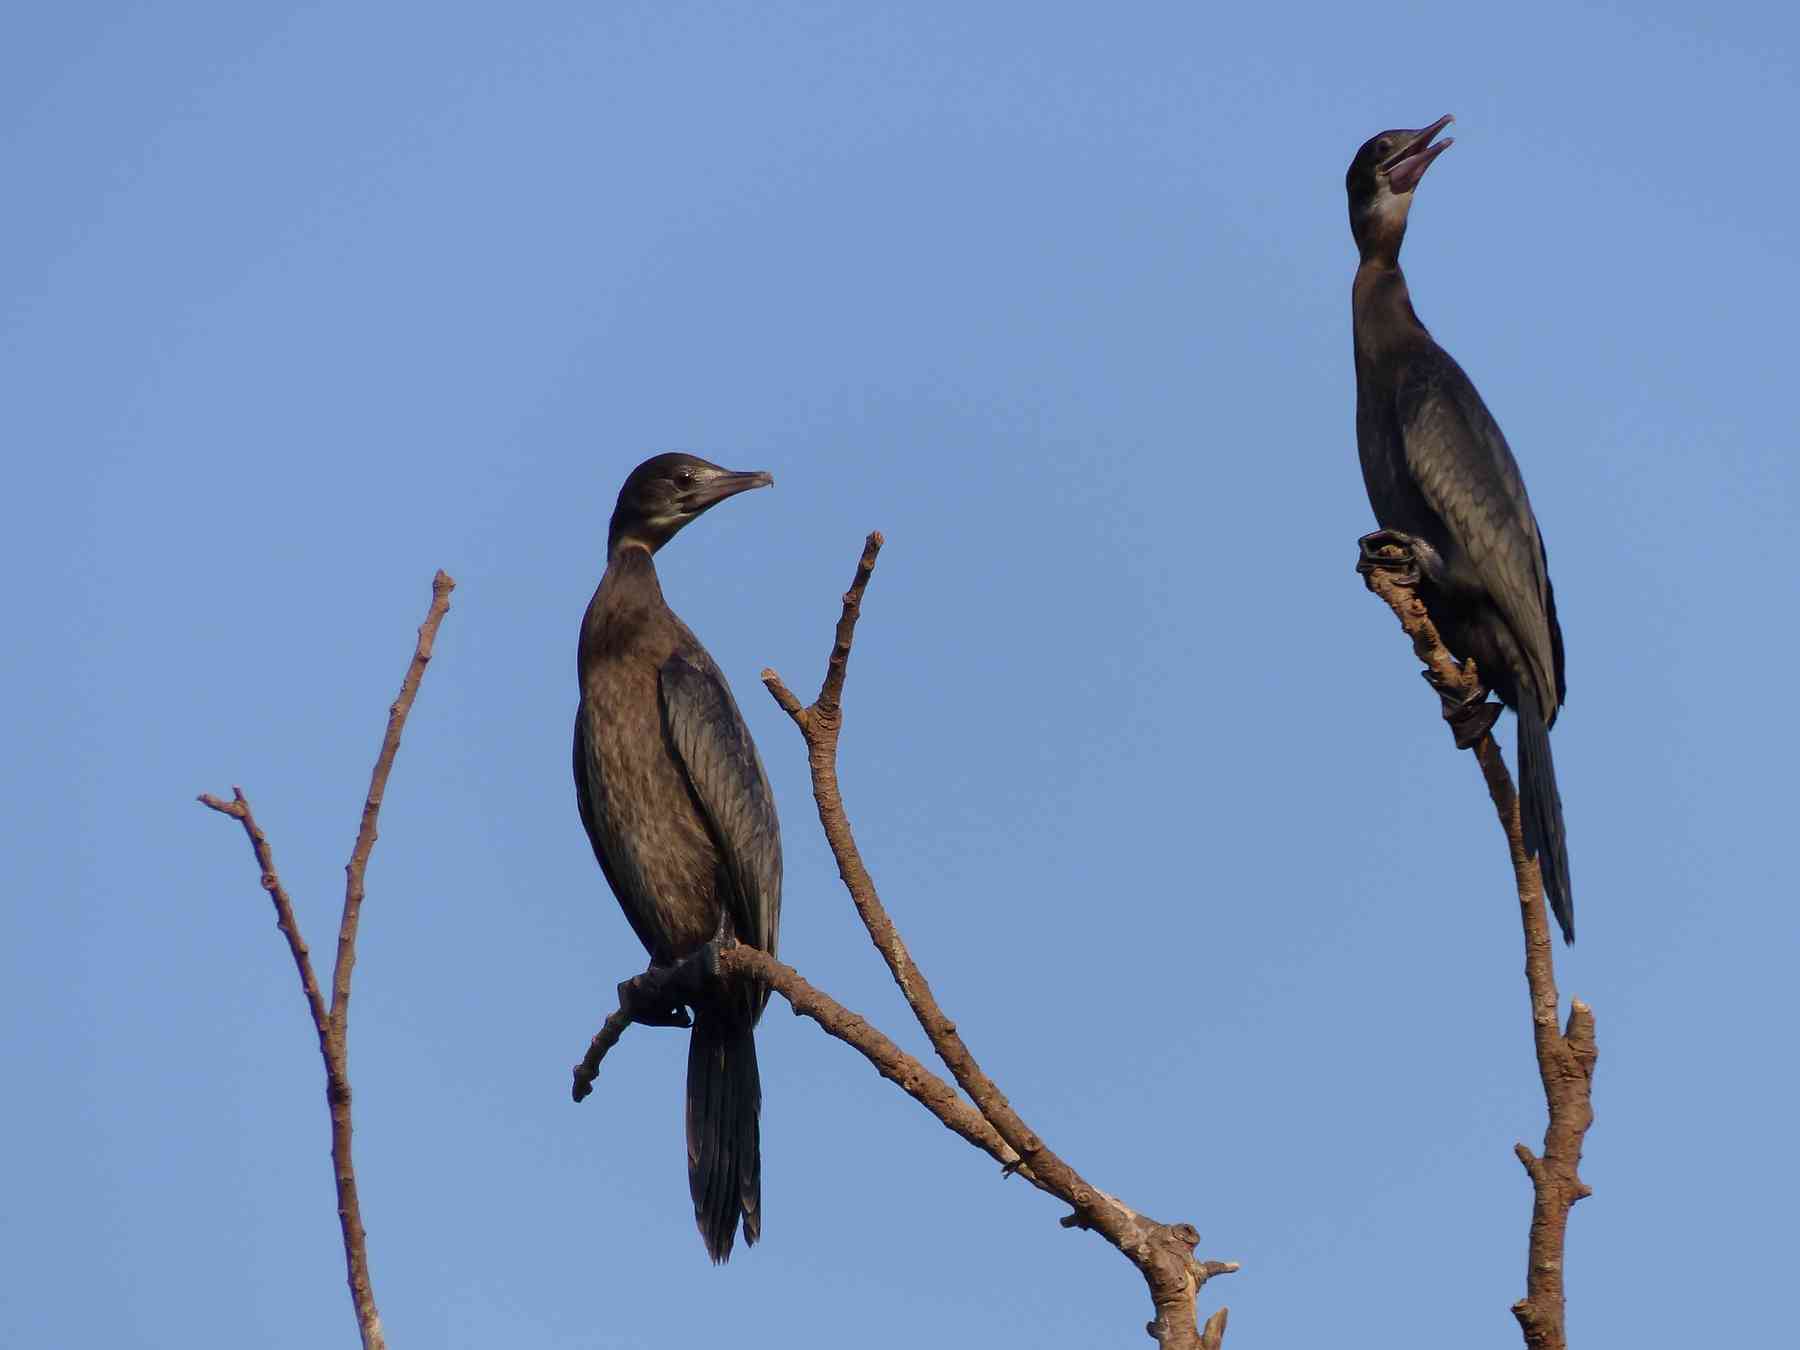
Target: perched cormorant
(680, 815)
(1445, 487)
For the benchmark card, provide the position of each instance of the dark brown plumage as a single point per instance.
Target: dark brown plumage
(679, 812)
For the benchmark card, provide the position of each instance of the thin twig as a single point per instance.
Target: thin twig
(1162, 1252)
(366, 833)
(604, 1040)
(333, 1025)
(1565, 1058)
(238, 808)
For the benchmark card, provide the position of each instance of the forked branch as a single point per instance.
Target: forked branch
(1565, 1058)
(1163, 1253)
(332, 1024)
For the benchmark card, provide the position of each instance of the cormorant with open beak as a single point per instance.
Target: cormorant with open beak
(1445, 488)
(680, 815)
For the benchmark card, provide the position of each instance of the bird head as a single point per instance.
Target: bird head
(1380, 185)
(666, 492)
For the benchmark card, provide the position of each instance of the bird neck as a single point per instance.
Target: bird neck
(1381, 308)
(1379, 225)
(628, 555)
(626, 603)
(632, 533)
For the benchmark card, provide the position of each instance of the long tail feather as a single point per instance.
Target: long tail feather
(1541, 814)
(724, 1101)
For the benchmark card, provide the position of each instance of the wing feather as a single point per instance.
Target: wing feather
(1480, 496)
(727, 778)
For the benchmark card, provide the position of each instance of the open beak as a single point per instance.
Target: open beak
(715, 489)
(1405, 168)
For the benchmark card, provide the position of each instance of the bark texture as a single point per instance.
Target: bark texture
(1566, 1056)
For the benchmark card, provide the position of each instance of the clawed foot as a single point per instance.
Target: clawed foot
(1470, 718)
(1469, 722)
(661, 996)
(1403, 564)
(647, 1010)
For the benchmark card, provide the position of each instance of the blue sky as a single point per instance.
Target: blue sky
(303, 302)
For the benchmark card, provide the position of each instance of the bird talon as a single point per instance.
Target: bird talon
(1472, 720)
(1388, 551)
(647, 1011)
(1471, 716)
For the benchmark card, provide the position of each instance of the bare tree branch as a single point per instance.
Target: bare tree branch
(1565, 1058)
(1163, 1253)
(333, 1025)
(660, 986)
(239, 809)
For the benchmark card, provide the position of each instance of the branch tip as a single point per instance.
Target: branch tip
(1013, 1142)
(1555, 1179)
(784, 697)
(332, 1024)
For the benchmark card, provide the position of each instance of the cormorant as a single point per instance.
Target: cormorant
(680, 815)
(1445, 487)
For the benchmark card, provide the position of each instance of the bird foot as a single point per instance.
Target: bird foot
(1471, 721)
(1388, 551)
(661, 996)
(1470, 717)
(646, 998)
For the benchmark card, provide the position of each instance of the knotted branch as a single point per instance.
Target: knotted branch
(332, 1024)
(1565, 1058)
(1163, 1253)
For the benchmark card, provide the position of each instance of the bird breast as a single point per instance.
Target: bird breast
(651, 830)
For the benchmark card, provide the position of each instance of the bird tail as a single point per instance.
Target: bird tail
(724, 1138)
(1541, 814)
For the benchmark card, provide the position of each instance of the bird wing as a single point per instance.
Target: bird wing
(1480, 496)
(615, 861)
(726, 775)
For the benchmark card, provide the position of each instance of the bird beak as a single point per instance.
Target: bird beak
(713, 490)
(1405, 168)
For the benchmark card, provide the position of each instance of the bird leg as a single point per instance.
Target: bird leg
(661, 996)
(1389, 551)
(646, 998)
(1410, 559)
(1471, 716)
(1470, 721)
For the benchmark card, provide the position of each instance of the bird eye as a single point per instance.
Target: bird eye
(685, 477)
(1382, 147)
